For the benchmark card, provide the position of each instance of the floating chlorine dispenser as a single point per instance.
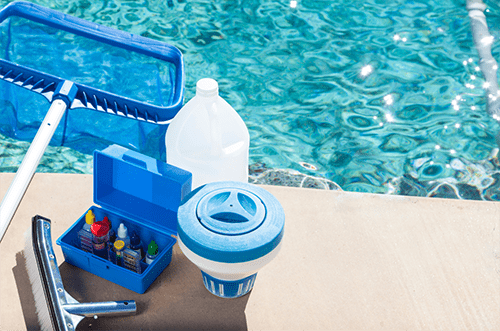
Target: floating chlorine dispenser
(230, 230)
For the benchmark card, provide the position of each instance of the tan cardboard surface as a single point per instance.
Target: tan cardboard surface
(349, 261)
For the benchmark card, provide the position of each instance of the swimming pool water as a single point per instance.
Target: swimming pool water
(368, 96)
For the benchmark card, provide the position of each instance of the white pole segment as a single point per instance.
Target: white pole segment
(29, 164)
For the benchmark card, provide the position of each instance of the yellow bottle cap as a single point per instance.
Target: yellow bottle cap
(119, 244)
(90, 217)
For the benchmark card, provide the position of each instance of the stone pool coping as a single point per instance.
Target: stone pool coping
(349, 261)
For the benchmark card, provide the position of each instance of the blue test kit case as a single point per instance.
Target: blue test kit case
(144, 194)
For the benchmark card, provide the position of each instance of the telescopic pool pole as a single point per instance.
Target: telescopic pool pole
(64, 94)
(61, 100)
(483, 41)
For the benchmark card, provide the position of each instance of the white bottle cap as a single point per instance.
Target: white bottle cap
(122, 231)
(207, 87)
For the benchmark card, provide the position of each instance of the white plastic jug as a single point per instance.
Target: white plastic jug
(208, 138)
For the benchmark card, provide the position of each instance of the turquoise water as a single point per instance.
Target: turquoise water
(368, 95)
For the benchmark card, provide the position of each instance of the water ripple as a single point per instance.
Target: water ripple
(374, 96)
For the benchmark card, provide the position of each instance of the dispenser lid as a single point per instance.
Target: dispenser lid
(139, 187)
(230, 211)
(231, 222)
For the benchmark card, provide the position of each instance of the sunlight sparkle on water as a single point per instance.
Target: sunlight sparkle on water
(366, 70)
(487, 40)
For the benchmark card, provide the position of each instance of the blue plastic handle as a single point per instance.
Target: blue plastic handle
(131, 159)
(141, 160)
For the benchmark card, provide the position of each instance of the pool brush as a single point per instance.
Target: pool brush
(56, 309)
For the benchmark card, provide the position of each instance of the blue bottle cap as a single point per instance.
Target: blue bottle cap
(135, 240)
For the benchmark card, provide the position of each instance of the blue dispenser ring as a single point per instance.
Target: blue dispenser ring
(231, 222)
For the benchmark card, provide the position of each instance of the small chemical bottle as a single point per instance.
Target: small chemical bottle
(111, 241)
(110, 247)
(152, 252)
(85, 235)
(100, 232)
(136, 243)
(122, 234)
(119, 246)
(89, 220)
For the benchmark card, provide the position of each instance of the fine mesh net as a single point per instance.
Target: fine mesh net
(116, 71)
(87, 61)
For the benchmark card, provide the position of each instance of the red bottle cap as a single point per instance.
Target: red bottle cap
(99, 229)
(107, 221)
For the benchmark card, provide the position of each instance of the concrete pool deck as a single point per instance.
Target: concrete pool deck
(349, 261)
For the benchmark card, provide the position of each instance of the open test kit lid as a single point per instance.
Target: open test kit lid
(139, 187)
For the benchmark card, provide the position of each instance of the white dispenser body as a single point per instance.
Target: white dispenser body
(228, 271)
(208, 138)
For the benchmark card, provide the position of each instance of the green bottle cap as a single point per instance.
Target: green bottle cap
(152, 248)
